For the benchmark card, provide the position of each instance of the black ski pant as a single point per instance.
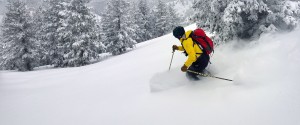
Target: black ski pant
(198, 66)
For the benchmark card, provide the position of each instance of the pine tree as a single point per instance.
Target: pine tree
(38, 27)
(101, 48)
(285, 13)
(161, 21)
(136, 24)
(244, 19)
(173, 19)
(69, 33)
(152, 23)
(79, 35)
(144, 20)
(116, 29)
(19, 45)
(209, 16)
(52, 39)
(1, 52)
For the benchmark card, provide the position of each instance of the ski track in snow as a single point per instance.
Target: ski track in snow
(117, 91)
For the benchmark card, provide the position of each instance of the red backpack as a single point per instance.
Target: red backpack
(205, 43)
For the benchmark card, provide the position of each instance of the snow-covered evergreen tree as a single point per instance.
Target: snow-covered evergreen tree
(165, 19)
(162, 20)
(1, 51)
(152, 23)
(136, 24)
(69, 33)
(101, 48)
(245, 19)
(184, 10)
(80, 39)
(116, 27)
(54, 14)
(144, 22)
(19, 45)
(37, 27)
(285, 13)
(172, 18)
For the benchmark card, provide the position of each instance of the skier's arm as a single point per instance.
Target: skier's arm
(188, 45)
(180, 48)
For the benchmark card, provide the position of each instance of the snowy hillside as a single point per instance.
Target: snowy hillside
(116, 91)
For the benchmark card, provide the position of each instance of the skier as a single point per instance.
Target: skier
(197, 60)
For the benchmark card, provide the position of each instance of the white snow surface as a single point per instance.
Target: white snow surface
(117, 91)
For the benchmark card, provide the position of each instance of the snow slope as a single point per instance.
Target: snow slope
(116, 91)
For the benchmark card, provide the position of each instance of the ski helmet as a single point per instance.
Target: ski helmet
(178, 32)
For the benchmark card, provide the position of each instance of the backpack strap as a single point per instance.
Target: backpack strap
(185, 53)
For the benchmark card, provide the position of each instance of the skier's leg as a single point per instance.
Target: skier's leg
(201, 63)
(198, 66)
(192, 76)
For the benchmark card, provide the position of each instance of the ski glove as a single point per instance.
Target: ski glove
(174, 47)
(184, 68)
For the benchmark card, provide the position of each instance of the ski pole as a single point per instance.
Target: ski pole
(208, 75)
(171, 60)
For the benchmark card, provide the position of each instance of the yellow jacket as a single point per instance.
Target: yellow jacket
(191, 49)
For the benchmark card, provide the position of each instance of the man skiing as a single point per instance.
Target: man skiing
(197, 59)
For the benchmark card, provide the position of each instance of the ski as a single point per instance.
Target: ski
(208, 75)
